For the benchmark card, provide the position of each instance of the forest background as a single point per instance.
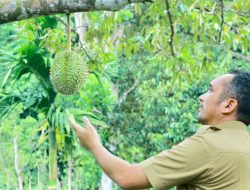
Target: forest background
(148, 64)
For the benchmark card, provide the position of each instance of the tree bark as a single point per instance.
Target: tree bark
(77, 179)
(6, 171)
(82, 23)
(38, 178)
(8, 181)
(59, 185)
(13, 10)
(70, 168)
(52, 160)
(30, 182)
(17, 167)
(117, 35)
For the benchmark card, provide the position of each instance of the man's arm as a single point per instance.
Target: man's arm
(127, 176)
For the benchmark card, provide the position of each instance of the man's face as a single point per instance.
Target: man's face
(210, 111)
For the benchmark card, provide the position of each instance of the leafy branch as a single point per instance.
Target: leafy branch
(171, 42)
(222, 20)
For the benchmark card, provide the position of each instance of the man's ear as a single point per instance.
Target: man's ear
(229, 106)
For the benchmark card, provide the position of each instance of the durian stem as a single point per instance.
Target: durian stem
(68, 33)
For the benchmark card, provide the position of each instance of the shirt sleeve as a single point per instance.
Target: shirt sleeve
(179, 165)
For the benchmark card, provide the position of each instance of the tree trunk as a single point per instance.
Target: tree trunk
(106, 182)
(82, 23)
(30, 181)
(115, 38)
(77, 179)
(8, 181)
(52, 160)
(6, 171)
(17, 167)
(70, 168)
(13, 10)
(38, 178)
(59, 184)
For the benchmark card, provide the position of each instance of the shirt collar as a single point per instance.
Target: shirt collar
(229, 124)
(224, 125)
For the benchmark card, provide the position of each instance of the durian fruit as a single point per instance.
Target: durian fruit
(68, 72)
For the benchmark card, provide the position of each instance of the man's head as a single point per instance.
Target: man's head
(228, 98)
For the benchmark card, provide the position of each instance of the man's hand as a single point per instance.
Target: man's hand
(127, 176)
(87, 136)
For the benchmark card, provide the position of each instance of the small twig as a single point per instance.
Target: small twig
(68, 33)
(160, 50)
(222, 20)
(85, 51)
(74, 30)
(61, 20)
(64, 23)
(171, 42)
(82, 26)
(207, 10)
(241, 56)
(232, 27)
(243, 14)
(125, 94)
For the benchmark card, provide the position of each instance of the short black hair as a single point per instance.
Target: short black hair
(240, 89)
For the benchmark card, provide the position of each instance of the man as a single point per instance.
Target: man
(216, 157)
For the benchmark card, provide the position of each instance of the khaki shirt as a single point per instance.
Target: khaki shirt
(216, 157)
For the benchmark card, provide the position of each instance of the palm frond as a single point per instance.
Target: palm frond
(29, 59)
(8, 102)
(7, 61)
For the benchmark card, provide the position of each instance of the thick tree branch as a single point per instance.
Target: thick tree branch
(13, 10)
(171, 42)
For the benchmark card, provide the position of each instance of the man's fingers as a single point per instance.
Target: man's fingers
(73, 124)
(87, 122)
(78, 127)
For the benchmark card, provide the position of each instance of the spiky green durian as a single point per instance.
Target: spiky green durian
(68, 72)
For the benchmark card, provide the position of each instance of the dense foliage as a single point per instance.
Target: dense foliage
(148, 65)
